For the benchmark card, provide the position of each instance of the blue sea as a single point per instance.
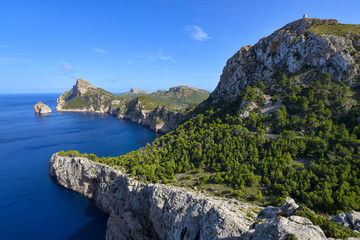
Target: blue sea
(32, 205)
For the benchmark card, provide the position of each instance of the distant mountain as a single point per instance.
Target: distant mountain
(176, 97)
(136, 91)
(162, 111)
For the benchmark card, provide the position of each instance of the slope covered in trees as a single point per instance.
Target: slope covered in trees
(315, 159)
(176, 97)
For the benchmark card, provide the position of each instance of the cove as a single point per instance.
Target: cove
(32, 205)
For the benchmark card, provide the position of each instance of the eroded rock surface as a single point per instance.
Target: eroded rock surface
(280, 223)
(293, 50)
(350, 220)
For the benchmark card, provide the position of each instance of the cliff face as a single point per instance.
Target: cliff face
(147, 211)
(84, 97)
(301, 48)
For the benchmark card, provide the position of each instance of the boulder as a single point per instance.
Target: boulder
(41, 108)
(270, 213)
(354, 218)
(289, 207)
(280, 223)
(281, 228)
(350, 220)
(342, 219)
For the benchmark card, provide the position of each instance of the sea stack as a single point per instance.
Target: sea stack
(41, 108)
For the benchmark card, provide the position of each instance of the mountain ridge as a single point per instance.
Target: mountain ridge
(161, 112)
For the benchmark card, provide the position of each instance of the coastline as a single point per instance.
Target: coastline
(145, 211)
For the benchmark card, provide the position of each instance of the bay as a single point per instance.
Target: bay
(32, 204)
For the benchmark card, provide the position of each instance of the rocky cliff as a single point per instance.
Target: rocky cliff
(301, 48)
(151, 211)
(84, 97)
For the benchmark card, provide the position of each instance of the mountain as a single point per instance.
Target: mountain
(136, 91)
(162, 111)
(299, 49)
(284, 121)
(176, 97)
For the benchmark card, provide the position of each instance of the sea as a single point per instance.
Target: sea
(32, 204)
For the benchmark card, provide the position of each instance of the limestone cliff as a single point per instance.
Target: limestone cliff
(151, 211)
(84, 97)
(301, 48)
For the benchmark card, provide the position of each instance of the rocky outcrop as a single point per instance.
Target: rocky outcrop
(280, 223)
(294, 50)
(41, 108)
(157, 117)
(137, 91)
(350, 220)
(151, 211)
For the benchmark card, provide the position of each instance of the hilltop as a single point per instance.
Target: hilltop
(176, 97)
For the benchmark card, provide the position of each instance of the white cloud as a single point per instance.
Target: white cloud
(68, 67)
(152, 57)
(160, 56)
(99, 50)
(197, 33)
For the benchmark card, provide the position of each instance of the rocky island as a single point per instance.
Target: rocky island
(41, 108)
(283, 122)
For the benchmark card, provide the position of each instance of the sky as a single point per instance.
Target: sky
(120, 44)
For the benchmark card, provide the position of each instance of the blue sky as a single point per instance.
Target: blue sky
(118, 44)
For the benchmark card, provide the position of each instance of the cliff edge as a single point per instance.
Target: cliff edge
(84, 97)
(151, 211)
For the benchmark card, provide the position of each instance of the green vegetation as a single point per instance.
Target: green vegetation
(77, 103)
(291, 237)
(176, 98)
(315, 157)
(99, 98)
(335, 29)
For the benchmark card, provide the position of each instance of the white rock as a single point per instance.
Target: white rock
(41, 108)
(150, 210)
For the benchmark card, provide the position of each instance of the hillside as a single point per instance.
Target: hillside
(176, 97)
(162, 111)
(283, 121)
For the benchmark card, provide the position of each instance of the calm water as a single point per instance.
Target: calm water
(32, 205)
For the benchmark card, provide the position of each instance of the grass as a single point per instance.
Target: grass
(77, 103)
(172, 99)
(335, 29)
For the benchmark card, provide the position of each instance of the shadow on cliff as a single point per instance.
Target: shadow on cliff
(92, 230)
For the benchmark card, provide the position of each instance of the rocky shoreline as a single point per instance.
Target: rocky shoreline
(152, 211)
(157, 117)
